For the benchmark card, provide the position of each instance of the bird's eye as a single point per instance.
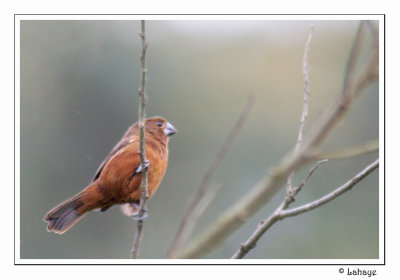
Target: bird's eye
(159, 124)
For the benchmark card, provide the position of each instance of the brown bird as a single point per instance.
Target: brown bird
(118, 178)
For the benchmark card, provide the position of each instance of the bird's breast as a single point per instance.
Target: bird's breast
(156, 171)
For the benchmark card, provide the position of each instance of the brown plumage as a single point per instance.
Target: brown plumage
(118, 178)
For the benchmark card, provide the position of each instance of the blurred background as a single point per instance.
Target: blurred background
(79, 82)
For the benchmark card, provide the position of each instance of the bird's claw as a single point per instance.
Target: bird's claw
(140, 215)
(146, 166)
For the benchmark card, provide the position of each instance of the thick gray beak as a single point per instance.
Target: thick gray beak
(169, 129)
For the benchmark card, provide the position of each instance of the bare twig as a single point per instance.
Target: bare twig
(361, 149)
(196, 213)
(266, 224)
(144, 195)
(280, 214)
(304, 114)
(351, 65)
(297, 189)
(205, 201)
(290, 192)
(342, 189)
(188, 221)
(260, 194)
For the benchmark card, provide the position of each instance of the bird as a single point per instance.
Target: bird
(118, 178)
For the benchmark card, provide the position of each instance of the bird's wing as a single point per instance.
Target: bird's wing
(122, 144)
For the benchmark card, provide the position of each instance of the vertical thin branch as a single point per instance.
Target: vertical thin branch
(290, 191)
(188, 221)
(144, 195)
(304, 113)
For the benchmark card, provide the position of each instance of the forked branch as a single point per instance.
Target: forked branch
(281, 214)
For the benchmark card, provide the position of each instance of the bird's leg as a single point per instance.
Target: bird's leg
(136, 214)
(140, 169)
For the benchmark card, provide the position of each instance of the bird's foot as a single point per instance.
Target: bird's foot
(140, 169)
(140, 215)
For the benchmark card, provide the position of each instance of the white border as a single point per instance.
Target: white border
(17, 141)
(18, 260)
(381, 139)
(199, 17)
(204, 261)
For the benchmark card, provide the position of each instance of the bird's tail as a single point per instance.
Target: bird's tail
(64, 216)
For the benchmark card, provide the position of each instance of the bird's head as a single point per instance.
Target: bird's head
(160, 124)
(160, 128)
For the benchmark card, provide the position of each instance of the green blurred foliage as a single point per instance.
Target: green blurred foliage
(79, 82)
